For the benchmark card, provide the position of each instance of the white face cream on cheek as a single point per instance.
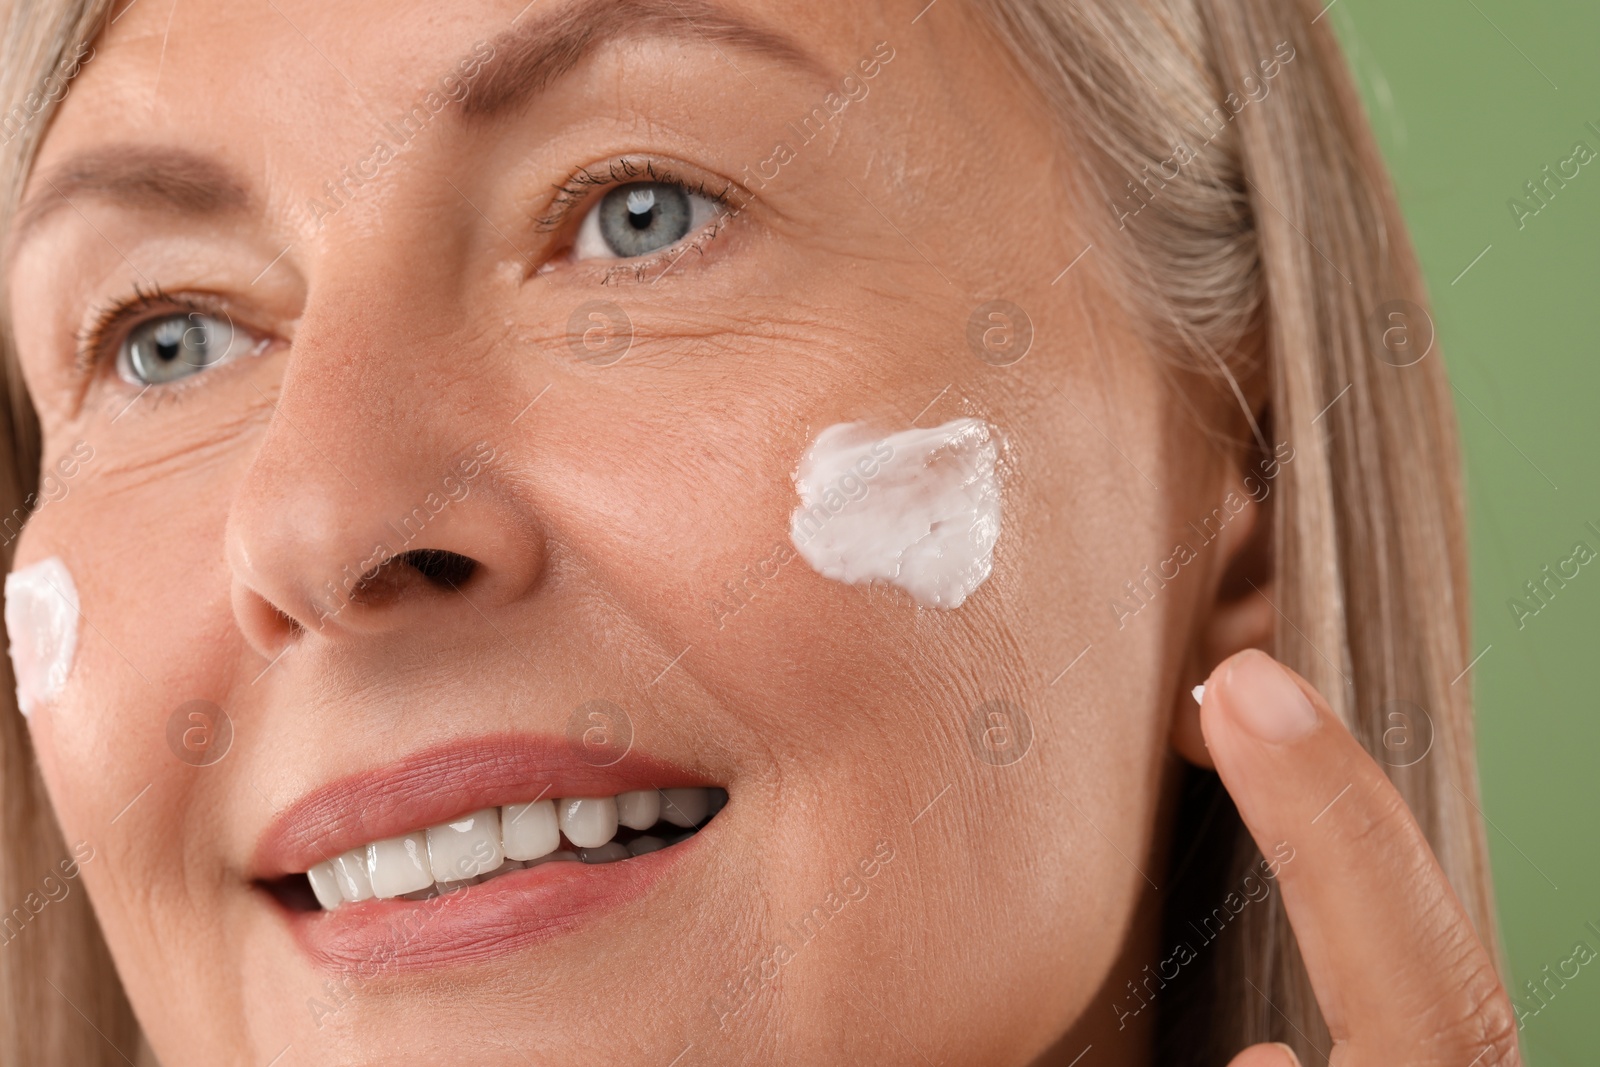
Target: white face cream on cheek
(918, 509)
(42, 621)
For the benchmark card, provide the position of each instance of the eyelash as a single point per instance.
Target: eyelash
(580, 188)
(112, 322)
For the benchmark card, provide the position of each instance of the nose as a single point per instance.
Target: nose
(381, 494)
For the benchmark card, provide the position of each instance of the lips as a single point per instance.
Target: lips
(412, 864)
(490, 842)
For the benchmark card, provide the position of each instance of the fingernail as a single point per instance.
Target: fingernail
(1289, 1058)
(1266, 701)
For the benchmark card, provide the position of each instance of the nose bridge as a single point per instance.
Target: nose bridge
(375, 459)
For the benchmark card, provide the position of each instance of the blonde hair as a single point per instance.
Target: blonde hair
(1279, 240)
(1273, 250)
(59, 994)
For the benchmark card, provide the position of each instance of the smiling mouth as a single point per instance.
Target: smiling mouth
(482, 845)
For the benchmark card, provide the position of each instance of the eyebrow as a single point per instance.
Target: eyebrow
(527, 60)
(140, 176)
(550, 46)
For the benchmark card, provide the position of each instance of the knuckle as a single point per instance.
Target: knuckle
(1480, 1022)
(1497, 1030)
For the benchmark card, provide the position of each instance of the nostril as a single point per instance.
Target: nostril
(438, 566)
(391, 580)
(290, 624)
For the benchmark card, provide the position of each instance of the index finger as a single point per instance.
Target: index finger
(1399, 972)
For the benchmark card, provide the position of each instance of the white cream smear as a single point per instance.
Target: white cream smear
(42, 621)
(918, 509)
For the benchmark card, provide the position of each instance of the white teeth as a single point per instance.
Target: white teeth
(350, 871)
(485, 844)
(588, 822)
(685, 807)
(325, 884)
(528, 831)
(399, 865)
(466, 847)
(639, 809)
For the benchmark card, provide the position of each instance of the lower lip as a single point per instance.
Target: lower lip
(513, 911)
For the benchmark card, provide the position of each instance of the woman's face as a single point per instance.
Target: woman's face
(379, 298)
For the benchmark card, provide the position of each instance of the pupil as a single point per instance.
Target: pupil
(169, 340)
(641, 208)
(643, 217)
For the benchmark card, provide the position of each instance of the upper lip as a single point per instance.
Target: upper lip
(435, 784)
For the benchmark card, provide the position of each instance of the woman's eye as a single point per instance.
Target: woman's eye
(639, 218)
(177, 345)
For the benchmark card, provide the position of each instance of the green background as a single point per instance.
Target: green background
(1470, 100)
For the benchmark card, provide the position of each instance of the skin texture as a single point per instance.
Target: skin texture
(426, 315)
(1399, 974)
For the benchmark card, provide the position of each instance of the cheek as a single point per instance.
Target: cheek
(149, 628)
(154, 633)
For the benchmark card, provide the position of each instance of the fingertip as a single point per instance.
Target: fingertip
(1262, 697)
(1289, 1059)
(1276, 1054)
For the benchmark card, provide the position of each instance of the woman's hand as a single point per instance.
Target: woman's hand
(1399, 973)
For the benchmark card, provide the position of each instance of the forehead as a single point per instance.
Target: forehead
(291, 84)
(278, 95)
(288, 62)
